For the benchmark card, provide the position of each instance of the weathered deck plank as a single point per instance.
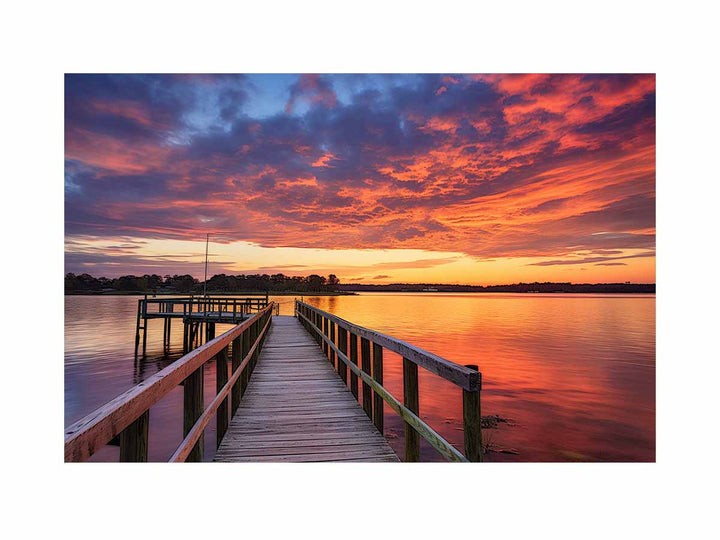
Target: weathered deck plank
(297, 409)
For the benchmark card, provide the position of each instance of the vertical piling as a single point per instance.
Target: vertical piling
(472, 416)
(236, 393)
(354, 360)
(134, 440)
(221, 378)
(378, 405)
(366, 390)
(412, 402)
(192, 409)
(342, 345)
(137, 327)
(145, 325)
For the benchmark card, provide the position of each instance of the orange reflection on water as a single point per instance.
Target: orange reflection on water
(574, 375)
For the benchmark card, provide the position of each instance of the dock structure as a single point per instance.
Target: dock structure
(196, 313)
(288, 390)
(305, 415)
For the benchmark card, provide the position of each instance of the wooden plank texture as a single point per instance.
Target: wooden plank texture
(424, 430)
(297, 409)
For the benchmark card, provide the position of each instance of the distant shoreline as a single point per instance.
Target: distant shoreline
(210, 293)
(537, 288)
(315, 285)
(342, 293)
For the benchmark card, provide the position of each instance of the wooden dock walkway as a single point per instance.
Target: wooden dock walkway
(287, 389)
(296, 408)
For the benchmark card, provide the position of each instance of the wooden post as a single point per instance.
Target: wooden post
(378, 405)
(342, 345)
(186, 346)
(366, 391)
(245, 377)
(145, 325)
(134, 439)
(165, 321)
(410, 392)
(326, 331)
(472, 426)
(192, 409)
(253, 337)
(332, 339)
(258, 328)
(221, 377)
(354, 360)
(137, 327)
(236, 393)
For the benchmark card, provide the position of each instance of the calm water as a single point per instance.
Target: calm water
(573, 375)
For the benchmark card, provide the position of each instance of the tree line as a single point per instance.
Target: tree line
(545, 287)
(85, 283)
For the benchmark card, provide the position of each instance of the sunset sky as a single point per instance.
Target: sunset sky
(479, 179)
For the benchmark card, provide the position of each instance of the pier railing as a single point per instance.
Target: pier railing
(126, 418)
(339, 341)
(201, 304)
(197, 309)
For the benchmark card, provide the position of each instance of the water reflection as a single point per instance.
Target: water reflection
(575, 374)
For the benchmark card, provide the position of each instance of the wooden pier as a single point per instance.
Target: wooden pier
(287, 391)
(195, 313)
(305, 415)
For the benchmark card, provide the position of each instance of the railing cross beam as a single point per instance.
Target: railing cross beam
(375, 395)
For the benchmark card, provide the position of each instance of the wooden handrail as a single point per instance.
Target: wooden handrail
(210, 300)
(462, 376)
(429, 434)
(163, 298)
(87, 435)
(193, 436)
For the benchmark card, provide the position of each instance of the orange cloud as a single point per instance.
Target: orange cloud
(496, 167)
